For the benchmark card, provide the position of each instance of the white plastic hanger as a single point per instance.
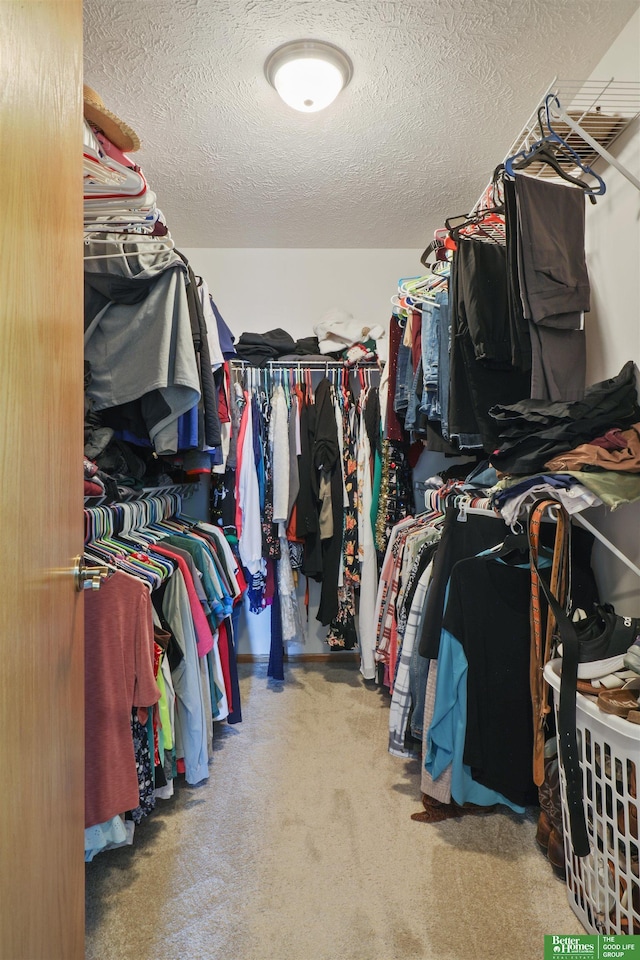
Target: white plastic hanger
(101, 170)
(162, 244)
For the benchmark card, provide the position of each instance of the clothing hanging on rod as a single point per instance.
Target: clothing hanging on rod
(448, 544)
(544, 315)
(316, 427)
(455, 355)
(153, 387)
(166, 401)
(167, 607)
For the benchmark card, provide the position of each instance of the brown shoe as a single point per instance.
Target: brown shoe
(543, 830)
(618, 702)
(555, 852)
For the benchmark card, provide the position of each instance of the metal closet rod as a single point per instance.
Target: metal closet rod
(607, 543)
(183, 490)
(577, 517)
(603, 540)
(308, 363)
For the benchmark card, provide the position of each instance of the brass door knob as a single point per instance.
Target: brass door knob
(88, 578)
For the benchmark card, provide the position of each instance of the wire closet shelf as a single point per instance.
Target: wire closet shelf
(589, 116)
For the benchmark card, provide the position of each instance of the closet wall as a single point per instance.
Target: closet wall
(613, 326)
(259, 289)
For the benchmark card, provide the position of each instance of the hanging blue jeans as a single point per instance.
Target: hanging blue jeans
(404, 370)
(414, 399)
(430, 359)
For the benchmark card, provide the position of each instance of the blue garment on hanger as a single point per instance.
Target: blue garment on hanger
(258, 430)
(188, 430)
(275, 669)
(235, 715)
(446, 735)
(225, 335)
(430, 404)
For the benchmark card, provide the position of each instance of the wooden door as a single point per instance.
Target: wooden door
(41, 631)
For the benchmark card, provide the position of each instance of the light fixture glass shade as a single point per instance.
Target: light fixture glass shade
(308, 74)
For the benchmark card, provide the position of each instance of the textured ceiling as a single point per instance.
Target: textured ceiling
(440, 90)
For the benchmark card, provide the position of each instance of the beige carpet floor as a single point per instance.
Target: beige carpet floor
(301, 847)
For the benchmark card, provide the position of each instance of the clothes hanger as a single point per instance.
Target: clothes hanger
(168, 526)
(125, 208)
(486, 224)
(115, 553)
(101, 171)
(93, 558)
(120, 537)
(554, 151)
(133, 519)
(165, 244)
(515, 546)
(138, 534)
(125, 236)
(439, 250)
(418, 289)
(399, 306)
(486, 221)
(137, 224)
(552, 100)
(108, 538)
(541, 152)
(141, 216)
(432, 502)
(117, 199)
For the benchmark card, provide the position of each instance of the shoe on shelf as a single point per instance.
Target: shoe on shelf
(605, 640)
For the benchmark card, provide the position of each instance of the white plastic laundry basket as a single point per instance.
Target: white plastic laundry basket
(603, 888)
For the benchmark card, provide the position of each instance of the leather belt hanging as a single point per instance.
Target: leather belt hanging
(541, 645)
(556, 593)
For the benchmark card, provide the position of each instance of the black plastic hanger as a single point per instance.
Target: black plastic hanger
(515, 546)
(477, 217)
(554, 151)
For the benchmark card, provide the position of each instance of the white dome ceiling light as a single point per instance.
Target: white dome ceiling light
(308, 74)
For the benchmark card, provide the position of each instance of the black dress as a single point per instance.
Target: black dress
(326, 459)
